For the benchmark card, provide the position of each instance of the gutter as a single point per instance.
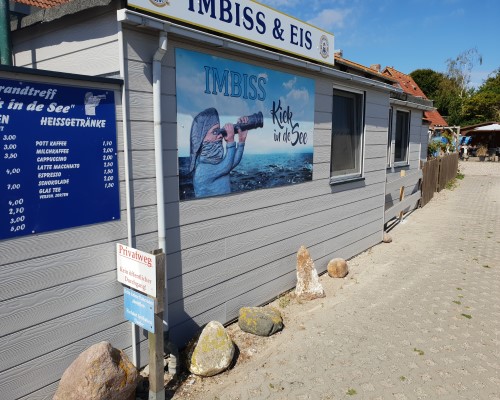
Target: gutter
(411, 104)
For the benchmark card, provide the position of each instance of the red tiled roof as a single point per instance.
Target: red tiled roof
(405, 81)
(410, 86)
(355, 65)
(435, 118)
(43, 3)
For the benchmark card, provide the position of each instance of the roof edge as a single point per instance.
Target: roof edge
(54, 13)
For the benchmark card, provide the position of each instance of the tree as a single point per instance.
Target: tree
(428, 80)
(440, 89)
(481, 107)
(456, 87)
(484, 105)
(460, 68)
(453, 97)
(492, 84)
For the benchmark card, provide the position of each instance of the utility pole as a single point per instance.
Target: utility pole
(5, 44)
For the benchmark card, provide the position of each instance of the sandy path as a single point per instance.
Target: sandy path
(418, 318)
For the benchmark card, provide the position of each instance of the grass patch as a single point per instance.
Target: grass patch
(457, 302)
(402, 378)
(459, 288)
(351, 392)
(284, 301)
(467, 316)
(486, 266)
(420, 352)
(452, 184)
(460, 175)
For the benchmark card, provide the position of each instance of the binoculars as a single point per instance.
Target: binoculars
(254, 121)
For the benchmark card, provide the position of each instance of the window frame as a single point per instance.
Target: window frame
(359, 97)
(393, 123)
(389, 139)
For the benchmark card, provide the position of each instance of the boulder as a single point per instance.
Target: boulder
(337, 268)
(99, 373)
(212, 352)
(308, 286)
(261, 321)
(387, 238)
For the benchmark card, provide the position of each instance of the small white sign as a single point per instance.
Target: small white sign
(250, 21)
(136, 269)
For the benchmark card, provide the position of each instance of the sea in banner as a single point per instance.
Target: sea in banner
(257, 171)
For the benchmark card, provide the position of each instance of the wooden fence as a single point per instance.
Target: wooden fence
(436, 174)
(405, 203)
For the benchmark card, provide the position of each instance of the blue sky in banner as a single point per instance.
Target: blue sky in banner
(292, 92)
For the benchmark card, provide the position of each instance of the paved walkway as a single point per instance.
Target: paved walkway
(418, 318)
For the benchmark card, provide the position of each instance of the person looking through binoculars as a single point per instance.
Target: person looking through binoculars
(208, 163)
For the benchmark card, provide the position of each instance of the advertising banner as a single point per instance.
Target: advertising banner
(58, 157)
(240, 127)
(249, 21)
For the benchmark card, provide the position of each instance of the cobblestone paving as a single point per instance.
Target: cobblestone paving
(418, 318)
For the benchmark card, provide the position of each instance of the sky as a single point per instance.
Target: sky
(406, 34)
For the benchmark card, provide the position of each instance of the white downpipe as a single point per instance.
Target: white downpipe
(160, 189)
(158, 139)
(126, 160)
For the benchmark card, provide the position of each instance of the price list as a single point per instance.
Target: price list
(58, 160)
(15, 215)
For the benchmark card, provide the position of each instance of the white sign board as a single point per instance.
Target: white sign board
(136, 269)
(250, 21)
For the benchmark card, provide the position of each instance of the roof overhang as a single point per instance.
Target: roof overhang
(54, 13)
(407, 100)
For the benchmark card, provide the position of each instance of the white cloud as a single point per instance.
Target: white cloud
(290, 84)
(329, 19)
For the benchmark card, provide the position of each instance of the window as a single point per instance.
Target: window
(347, 135)
(389, 141)
(401, 136)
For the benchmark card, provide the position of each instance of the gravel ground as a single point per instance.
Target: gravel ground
(418, 318)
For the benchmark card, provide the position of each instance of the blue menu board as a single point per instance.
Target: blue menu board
(58, 157)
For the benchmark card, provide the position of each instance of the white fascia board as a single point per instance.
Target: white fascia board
(410, 104)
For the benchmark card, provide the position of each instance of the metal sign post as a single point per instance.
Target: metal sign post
(156, 380)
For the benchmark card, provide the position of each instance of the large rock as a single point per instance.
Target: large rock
(337, 268)
(212, 353)
(308, 286)
(100, 373)
(262, 321)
